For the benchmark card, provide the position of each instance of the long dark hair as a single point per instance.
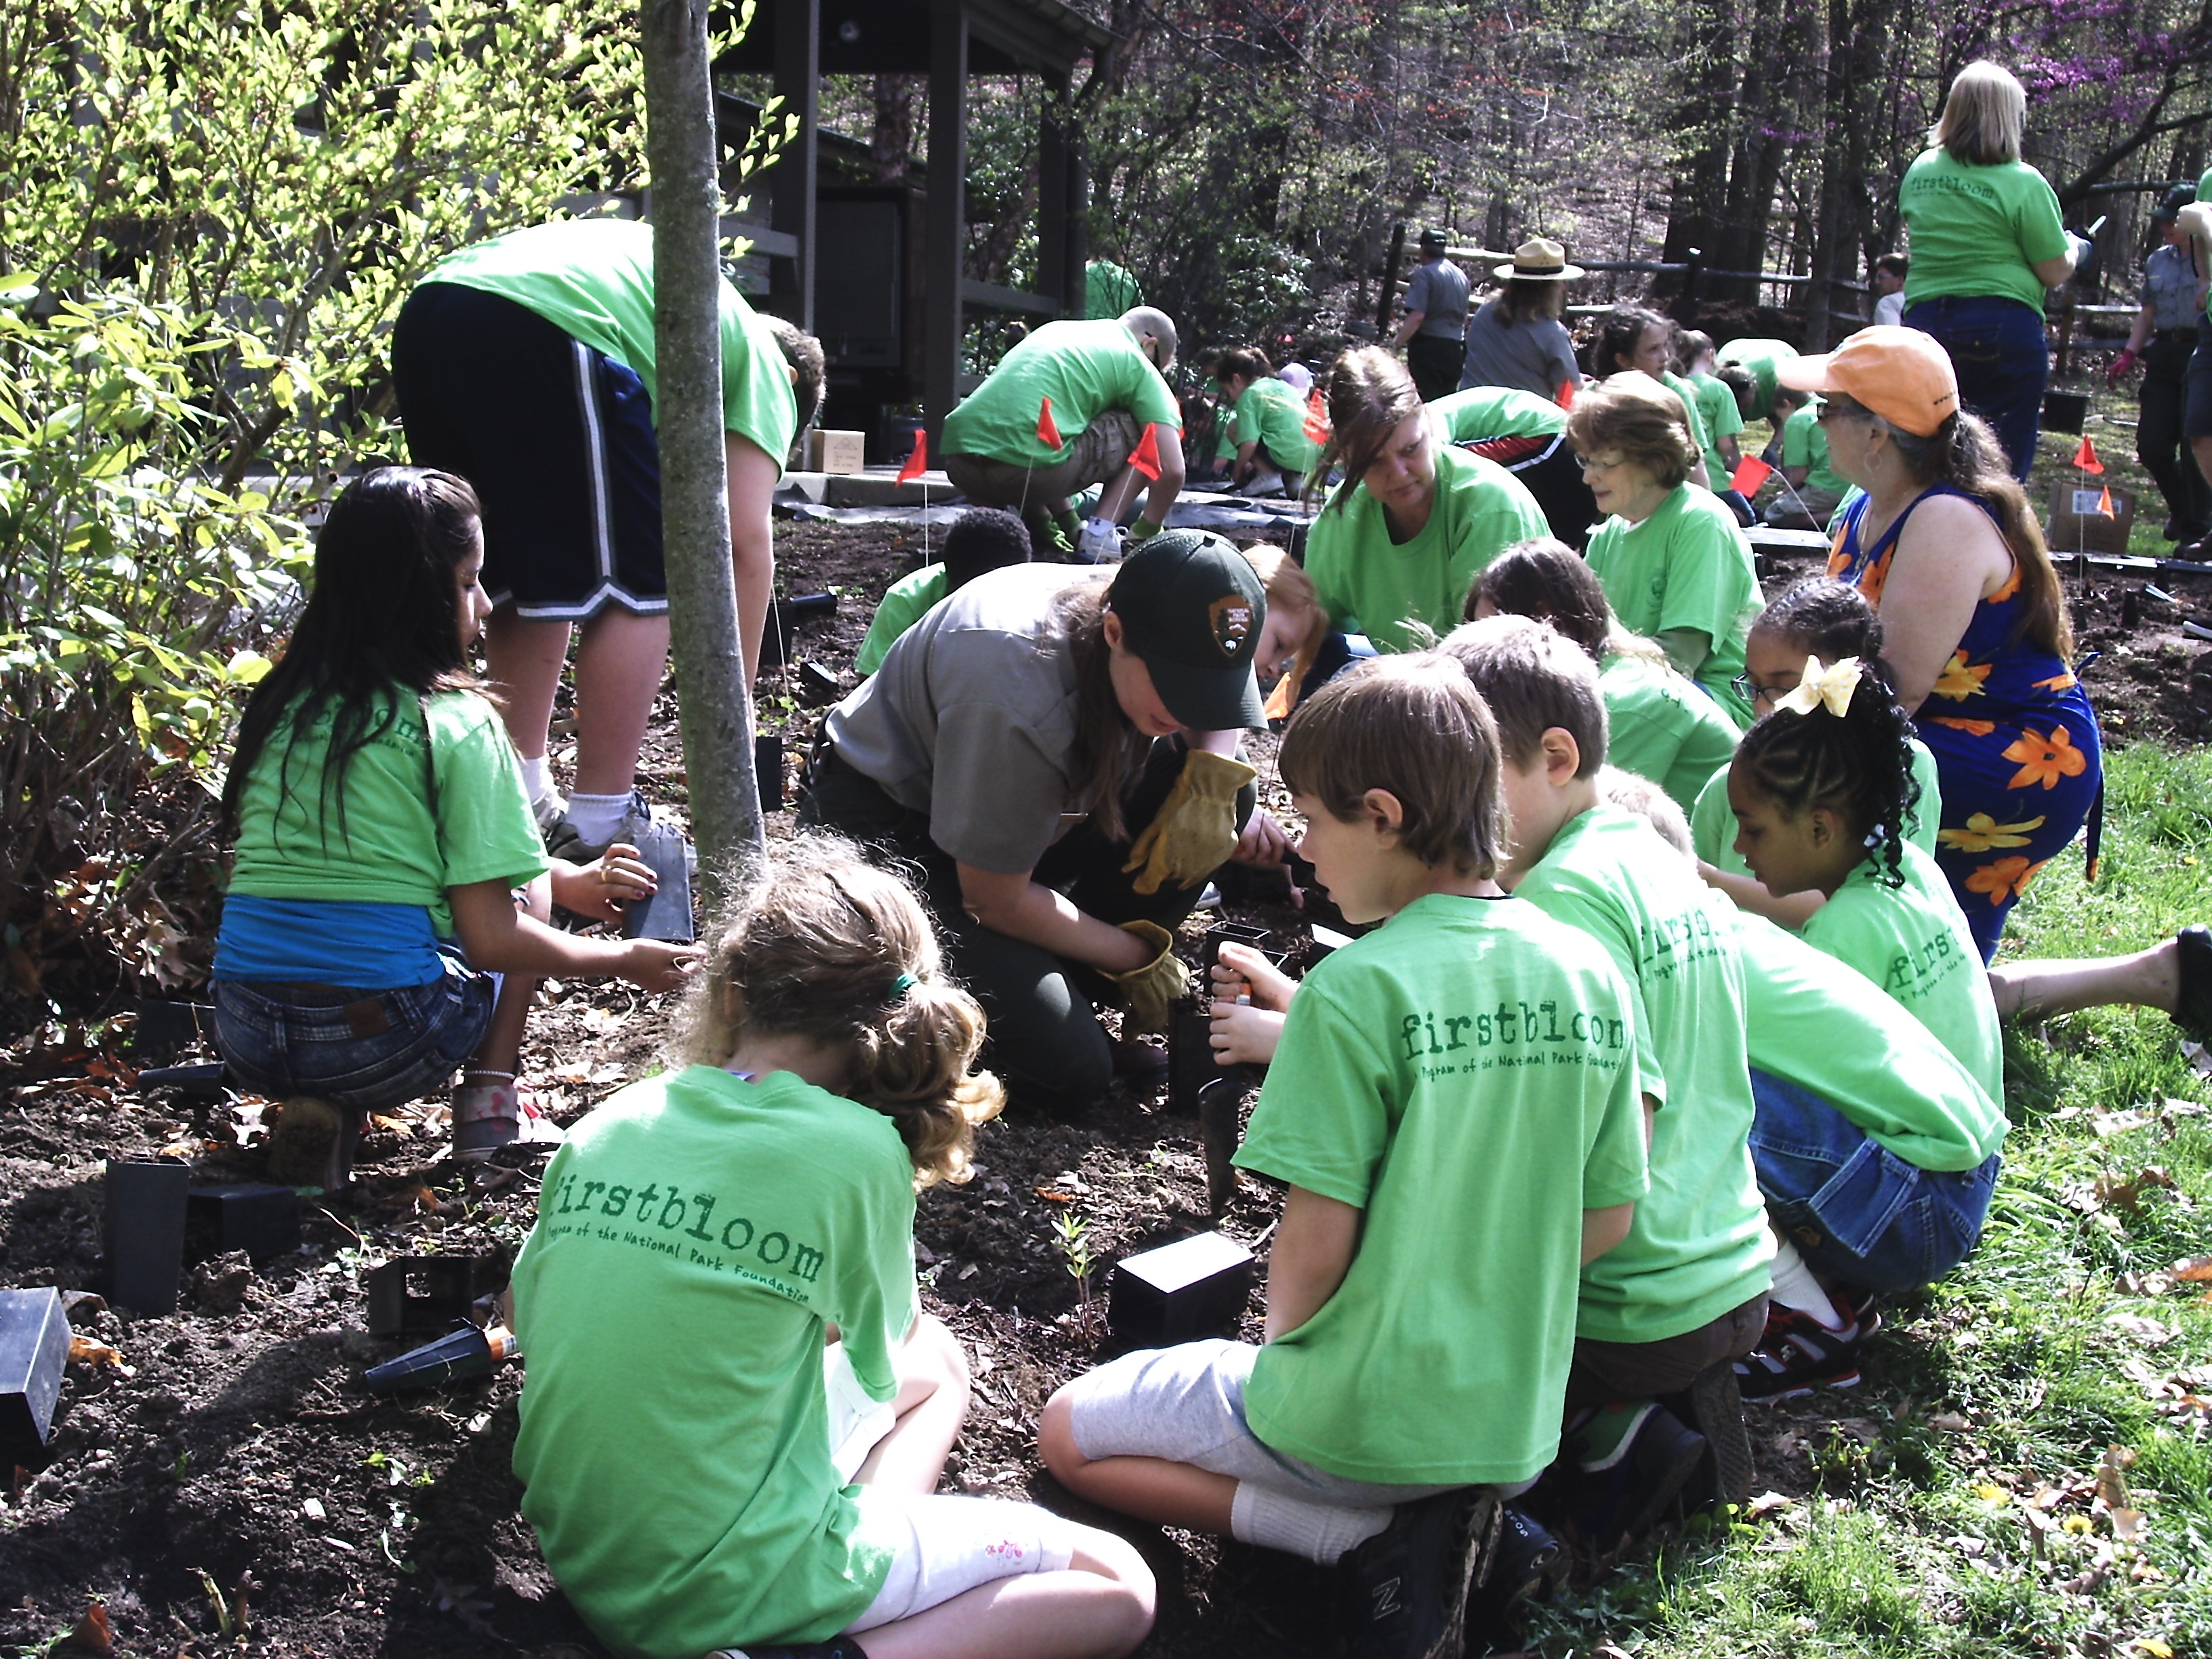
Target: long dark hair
(1858, 764)
(382, 625)
(1965, 453)
(1624, 326)
(1370, 394)
(1106, 744)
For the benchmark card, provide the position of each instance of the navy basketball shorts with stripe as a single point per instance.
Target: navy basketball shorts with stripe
(556, 436)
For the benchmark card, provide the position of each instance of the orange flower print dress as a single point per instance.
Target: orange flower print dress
(2014, 740)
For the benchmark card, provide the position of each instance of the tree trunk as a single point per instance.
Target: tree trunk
(714, 703)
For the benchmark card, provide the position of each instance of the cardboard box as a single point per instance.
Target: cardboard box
(834, 452)
(2077, 524)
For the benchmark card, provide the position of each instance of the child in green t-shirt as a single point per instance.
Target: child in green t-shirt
(1455, 1111)
(982, 538)
(737, 1415)
(386, 920)
(1875, 1148)
(1685, 1297)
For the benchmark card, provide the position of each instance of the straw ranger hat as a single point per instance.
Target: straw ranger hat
(1539, 259)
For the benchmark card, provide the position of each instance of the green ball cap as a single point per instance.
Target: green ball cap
(1192, 607)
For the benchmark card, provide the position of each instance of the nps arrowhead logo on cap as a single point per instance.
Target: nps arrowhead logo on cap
(1191, 607)
(1231, 614)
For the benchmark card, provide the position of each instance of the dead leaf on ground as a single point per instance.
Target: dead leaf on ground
(91, 1638)
(2128, 1194)
(1766, 1503)
(1949, 1422)
(2193, 1270)
(2149, 1332)
(85, 1349)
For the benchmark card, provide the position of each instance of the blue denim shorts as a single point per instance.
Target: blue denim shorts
(1856, 1211)
(357, 1047)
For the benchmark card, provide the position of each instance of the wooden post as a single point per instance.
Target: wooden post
(1388, 297)
(792, 183)
(1053, 276)
(948, 173)
(715, 703)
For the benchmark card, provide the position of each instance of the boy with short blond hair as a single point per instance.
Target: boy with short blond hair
(1687, 1293)
(1455, 1111)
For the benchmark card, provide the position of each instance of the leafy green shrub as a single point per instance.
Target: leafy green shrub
(211, 214)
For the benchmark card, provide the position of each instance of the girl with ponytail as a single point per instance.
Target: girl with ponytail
(721, 1290)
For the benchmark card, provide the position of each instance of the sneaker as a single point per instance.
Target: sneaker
(1625, 1490)
(1798, 1354)
(2192, 1005)
(1099, 542)
(1530, 1564)
(1263, 484)
(548, 809)
(1416, 1576)
(488, 1116)
(561, 841)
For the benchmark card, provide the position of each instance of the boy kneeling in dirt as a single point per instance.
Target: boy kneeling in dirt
(1455, 1107)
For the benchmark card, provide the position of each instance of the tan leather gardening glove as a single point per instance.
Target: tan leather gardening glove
(1149, 989)
(1194, 831)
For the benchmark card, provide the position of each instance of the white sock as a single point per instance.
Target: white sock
(1796, 1287)
(597, 819)
(1319, 1532)
(536, 778)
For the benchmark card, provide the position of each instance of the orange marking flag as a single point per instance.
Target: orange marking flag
(1317, 427)
(918, 463)
(1047, 431)
(1146, 457)
(2085, 455)
(1750, 473)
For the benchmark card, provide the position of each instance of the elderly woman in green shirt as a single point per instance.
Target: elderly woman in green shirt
(1675, 566)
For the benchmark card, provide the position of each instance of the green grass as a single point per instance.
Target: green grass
(2004, 1389)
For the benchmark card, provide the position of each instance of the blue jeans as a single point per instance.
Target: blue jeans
(2002, 360)
(360, 1049)
(1856, 1211)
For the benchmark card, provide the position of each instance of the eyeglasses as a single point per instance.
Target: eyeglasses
(1829, 411)
(1592, 464)
(1753, 692)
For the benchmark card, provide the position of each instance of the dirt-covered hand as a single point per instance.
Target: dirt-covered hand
(1194, 831)
(1149, 989)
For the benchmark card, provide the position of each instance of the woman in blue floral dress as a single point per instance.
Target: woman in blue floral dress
(1944, 545)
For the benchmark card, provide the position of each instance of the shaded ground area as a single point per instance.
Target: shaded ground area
(229, 1474)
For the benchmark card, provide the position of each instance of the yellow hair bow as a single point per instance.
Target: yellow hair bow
(1831, 686)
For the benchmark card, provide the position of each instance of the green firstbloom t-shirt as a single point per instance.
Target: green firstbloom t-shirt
(1084, 368)
(1827, 1027)
(1716, 404)
(1688, 395)
(1661, 726)
(395, 842)
(1713, 820)
(1805, 443)
(592, 279)
(1375, 586)
(1270, 414)
(1978, 231)
(1761, 358)
(695, 1235)
(1912, 941)
(1483, 412)
(1700, 1245)
(905, 602)
(1687, 565)
(1465, 1078)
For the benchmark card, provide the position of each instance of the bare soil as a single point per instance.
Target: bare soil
(226, 1483)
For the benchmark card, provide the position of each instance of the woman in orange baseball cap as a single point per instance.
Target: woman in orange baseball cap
(1945, 546)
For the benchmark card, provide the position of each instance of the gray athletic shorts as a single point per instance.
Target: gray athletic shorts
(1187, 1405)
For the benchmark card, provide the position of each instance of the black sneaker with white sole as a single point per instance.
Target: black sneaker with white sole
(1413, 1580)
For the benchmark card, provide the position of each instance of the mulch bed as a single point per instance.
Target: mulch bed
(227, 1484)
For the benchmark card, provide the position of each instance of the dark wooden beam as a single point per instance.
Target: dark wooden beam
(793, 182)
(948, 173)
